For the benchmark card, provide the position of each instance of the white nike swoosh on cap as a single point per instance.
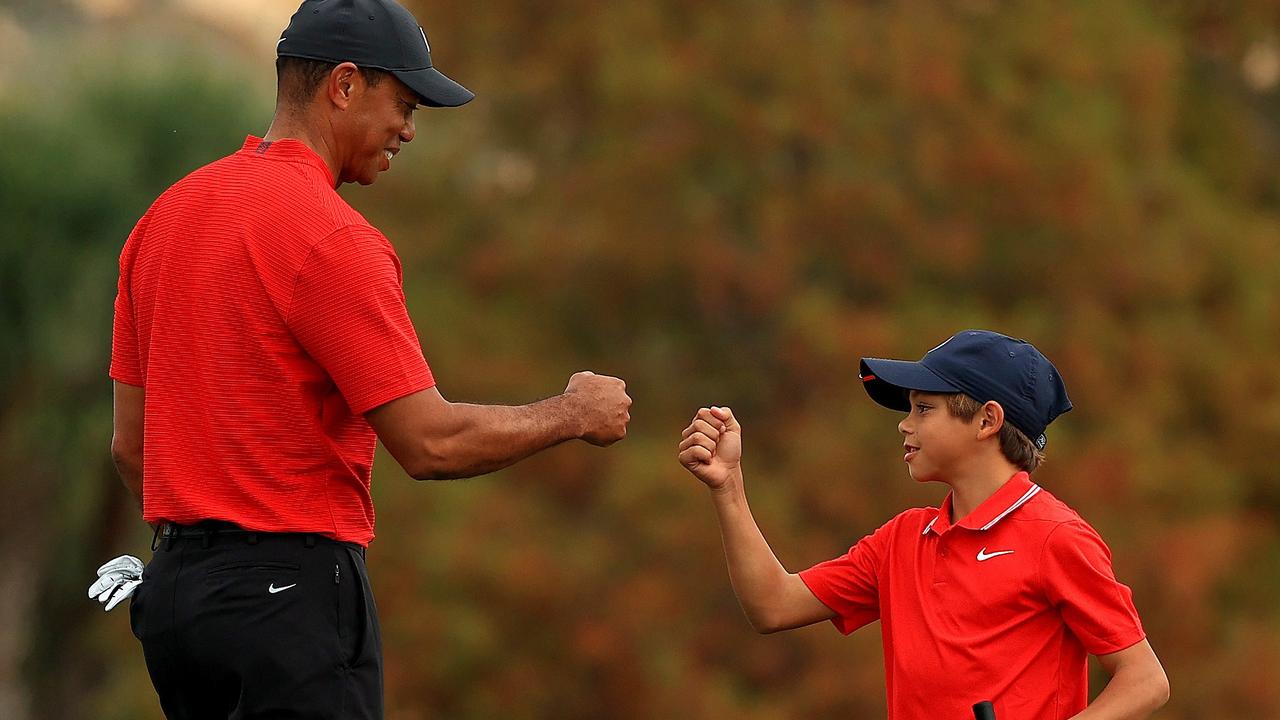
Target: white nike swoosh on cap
(984, 555)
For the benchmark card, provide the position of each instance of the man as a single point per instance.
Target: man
(261, 341)
(999, 594)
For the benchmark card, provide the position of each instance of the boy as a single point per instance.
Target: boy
(999, 594)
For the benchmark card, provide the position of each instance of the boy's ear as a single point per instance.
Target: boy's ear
(990, 419)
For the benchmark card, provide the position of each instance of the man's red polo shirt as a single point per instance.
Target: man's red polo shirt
(1005, 605)
(263, 316)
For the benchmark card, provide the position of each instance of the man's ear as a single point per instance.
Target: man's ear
(344, 81)
(990, 419)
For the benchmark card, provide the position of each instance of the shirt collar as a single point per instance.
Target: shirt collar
(1012, 495)
(288, 150)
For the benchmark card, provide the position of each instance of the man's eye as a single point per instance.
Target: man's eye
(921, 407)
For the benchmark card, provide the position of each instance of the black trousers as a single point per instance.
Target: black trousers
(249, 626)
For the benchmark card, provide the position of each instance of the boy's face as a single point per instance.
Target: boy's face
(936, 441)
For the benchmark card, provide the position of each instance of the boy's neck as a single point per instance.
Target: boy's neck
(970, 490)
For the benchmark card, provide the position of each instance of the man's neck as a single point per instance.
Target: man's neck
(285, 125)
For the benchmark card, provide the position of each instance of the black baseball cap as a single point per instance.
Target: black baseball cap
(376, 34)
(985, 366)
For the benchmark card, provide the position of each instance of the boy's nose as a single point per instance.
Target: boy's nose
(903, 427)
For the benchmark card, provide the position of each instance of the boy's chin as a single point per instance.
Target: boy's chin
(922, 476)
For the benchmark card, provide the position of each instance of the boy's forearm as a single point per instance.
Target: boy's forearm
(1131, 694)
(758, 578)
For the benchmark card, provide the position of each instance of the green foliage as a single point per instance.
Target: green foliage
(85, 154)
(727, 203)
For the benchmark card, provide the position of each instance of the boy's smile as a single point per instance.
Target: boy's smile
(935, 441)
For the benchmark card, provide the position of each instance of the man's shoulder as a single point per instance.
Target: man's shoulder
(293, 196)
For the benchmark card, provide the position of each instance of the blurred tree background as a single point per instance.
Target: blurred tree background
(721, 202)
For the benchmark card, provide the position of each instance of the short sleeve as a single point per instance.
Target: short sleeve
(850, 584)
(126, 360)
(348, 312)
(1079, 580)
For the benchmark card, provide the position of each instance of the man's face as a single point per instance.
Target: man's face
(380, 120)
(936, 442)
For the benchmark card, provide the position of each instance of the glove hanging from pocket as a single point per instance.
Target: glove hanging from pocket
(117, 580)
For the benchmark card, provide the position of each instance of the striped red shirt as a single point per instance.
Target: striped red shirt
(263, 316)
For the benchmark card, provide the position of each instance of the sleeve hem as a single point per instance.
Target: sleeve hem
(390, 394)
(1124, 642)
(126, 379)
(839, 621)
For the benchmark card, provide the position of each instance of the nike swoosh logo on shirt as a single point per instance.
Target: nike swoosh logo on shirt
(273, 589)
(984, 555)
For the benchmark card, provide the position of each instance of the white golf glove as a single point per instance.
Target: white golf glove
(117, 579)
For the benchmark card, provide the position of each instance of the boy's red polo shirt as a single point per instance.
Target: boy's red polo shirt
(1005, 605)
(263, 316)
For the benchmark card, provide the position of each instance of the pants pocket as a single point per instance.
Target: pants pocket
(137, 609)
(353, 607)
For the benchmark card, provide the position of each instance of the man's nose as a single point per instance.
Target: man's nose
(903, 427)
(408, 131)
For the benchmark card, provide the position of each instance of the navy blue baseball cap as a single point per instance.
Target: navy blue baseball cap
(377, 34)
(985, 366)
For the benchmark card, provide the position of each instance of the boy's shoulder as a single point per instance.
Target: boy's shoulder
(1050, 512)
(1045, 506)
(913, 520)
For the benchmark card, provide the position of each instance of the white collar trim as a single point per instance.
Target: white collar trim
(1021, 501)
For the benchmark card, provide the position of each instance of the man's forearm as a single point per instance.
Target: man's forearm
(485, 438)
(131, 475)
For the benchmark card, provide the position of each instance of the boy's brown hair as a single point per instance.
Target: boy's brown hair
(1014, 444)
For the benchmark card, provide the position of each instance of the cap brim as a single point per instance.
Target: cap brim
(434, 87)
(889, 382)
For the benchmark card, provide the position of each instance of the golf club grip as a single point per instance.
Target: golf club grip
(984, 711)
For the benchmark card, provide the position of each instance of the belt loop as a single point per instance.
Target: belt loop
(155, 537)
(309, 540)
(206, 539)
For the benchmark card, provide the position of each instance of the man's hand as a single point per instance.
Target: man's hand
(711, 447)
(603, 404)
(117, 579)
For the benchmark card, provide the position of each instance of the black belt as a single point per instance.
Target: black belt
(206, 530)
(200, 529)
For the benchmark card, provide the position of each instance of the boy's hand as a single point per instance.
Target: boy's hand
(711, 447)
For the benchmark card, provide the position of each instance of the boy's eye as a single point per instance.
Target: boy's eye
(921, 407)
